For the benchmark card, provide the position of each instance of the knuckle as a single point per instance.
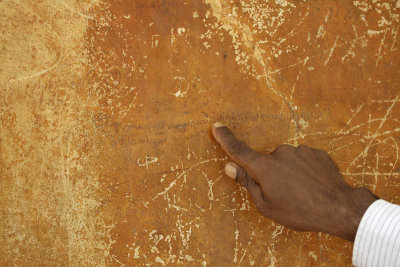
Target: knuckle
(303, 147)
(235, 147)
(240, 177)
(321, 153)
(283, 149)
(245, 179)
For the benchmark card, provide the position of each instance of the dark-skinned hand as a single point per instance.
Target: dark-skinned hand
(299, 187)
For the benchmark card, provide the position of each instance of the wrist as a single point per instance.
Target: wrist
(360, 200)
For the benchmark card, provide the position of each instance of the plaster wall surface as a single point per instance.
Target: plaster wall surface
(106, 106)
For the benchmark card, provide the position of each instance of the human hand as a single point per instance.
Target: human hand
(299, 187)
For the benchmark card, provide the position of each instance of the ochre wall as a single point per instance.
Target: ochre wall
(106, 107)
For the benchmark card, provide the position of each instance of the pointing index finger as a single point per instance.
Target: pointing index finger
(235, 148)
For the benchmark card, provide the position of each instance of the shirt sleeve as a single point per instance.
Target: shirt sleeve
(377, 241)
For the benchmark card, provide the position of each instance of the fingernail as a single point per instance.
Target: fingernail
(230, 170)
(218, 124)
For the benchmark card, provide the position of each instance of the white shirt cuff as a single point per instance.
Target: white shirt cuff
(377, 241)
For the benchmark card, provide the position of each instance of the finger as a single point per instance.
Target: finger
(244, 179)
(236, 149)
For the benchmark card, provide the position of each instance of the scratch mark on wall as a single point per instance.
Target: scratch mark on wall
(331, 51)
(379, 56)
(183, 174)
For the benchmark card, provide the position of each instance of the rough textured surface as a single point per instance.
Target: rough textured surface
(106, 107)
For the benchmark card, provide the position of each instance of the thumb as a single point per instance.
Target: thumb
(244, 179)
(236, 149)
